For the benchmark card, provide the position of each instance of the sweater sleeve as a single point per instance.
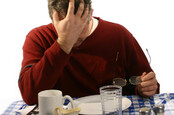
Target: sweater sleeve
(41, 66)
(136, 61)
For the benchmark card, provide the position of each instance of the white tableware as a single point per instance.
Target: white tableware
(91, 105)
(50, 99)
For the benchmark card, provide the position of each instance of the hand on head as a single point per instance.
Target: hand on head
(70, 27)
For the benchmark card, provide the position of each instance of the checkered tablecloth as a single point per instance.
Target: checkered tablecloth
(137, 103)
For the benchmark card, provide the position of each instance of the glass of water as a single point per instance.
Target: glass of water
(111, 99)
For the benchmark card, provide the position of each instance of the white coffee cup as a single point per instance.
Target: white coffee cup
(50, 99)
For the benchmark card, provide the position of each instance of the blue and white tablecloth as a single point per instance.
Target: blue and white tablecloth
(137, 103)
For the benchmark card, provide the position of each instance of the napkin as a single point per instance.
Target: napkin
(26, 110)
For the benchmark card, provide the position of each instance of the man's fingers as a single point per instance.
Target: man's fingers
(148, 76)
(150, 88)
(55, 17)
(70, 8)
(149, 83)
(143, 74)
(85, 15)
(148, 93)
(80, 10)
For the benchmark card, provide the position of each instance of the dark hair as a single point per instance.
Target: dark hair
(62, 6)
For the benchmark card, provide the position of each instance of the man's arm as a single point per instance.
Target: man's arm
(137, 64)
(40, 69)
(46, 66)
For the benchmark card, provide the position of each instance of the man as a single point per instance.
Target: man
(77, 54)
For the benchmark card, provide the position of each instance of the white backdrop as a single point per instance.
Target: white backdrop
(150, 21)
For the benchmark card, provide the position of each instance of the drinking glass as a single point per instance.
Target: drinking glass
(111, 99)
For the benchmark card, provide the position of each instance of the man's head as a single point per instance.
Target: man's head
(62, 6)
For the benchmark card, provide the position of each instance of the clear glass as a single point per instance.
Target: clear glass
(111, 99)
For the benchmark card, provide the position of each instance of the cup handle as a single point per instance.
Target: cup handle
(60, 111)
(70, 99)
(56, 110)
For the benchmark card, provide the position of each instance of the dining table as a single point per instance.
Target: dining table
(137, 102)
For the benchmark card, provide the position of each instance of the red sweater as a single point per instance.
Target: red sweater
(110, 51)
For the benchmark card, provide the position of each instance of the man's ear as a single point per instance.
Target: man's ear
(91, 13)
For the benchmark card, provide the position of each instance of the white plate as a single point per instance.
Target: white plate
(92, 104)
